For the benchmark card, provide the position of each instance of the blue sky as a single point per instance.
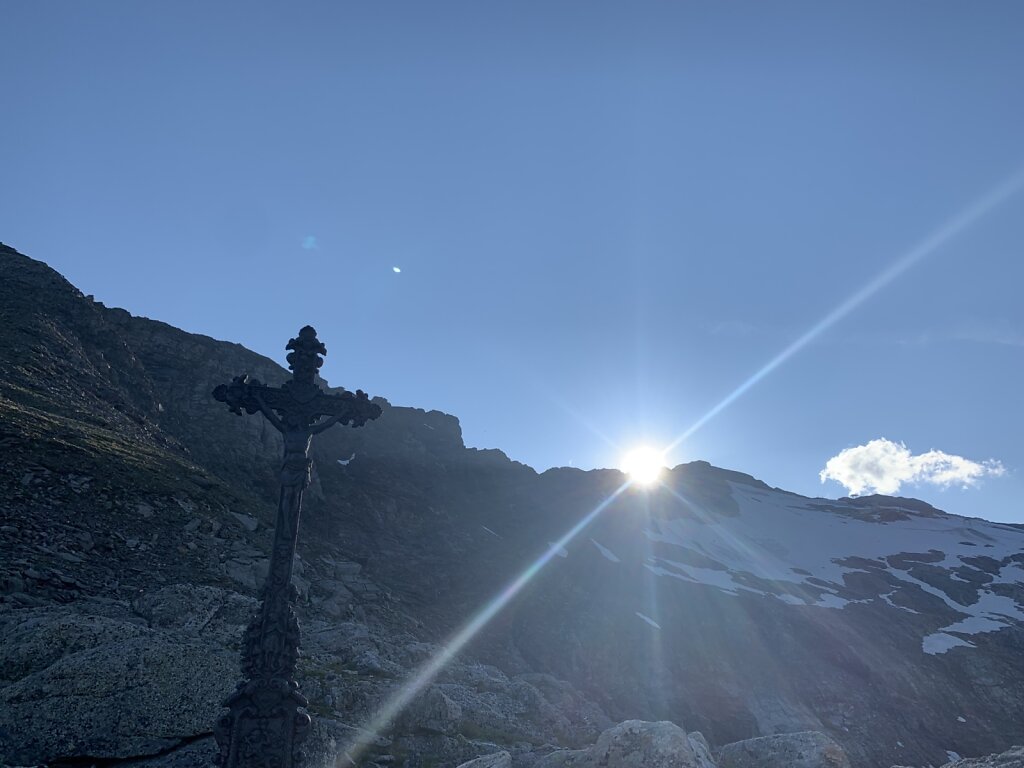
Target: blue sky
(607, 216)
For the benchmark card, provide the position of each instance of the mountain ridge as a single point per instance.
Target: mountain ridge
(708, 602)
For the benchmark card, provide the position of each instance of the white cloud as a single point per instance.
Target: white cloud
(882, 466)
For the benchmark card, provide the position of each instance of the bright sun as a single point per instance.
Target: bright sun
(643, 465)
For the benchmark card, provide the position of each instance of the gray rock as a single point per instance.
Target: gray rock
(1012, 758)
(242, 571)
(136, 697)
(35, 639)
(346, 569)
(701, 750)
(559, 759)
(210, 612)
(806, 749)
(337, 597)
(497, 760)
(434, 712)
(631, 744)
(248, 522)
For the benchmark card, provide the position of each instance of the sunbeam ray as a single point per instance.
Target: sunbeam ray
(657, 671)
(433, 666)
(926, 247)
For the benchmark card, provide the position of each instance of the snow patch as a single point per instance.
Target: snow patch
(990, 614)
(829, 600)
(940, 642)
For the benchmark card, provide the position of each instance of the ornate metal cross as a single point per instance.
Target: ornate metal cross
(264, 726)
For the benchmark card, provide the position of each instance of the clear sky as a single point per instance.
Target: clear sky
(607, 216)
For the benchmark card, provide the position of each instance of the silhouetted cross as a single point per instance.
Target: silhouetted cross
(264, 726)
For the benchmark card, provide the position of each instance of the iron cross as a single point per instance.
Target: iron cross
(264, 726)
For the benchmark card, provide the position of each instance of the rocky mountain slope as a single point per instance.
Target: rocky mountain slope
(134, 527)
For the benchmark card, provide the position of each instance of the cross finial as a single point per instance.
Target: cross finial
(305, 359)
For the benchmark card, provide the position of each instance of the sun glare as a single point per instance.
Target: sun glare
(644, 465)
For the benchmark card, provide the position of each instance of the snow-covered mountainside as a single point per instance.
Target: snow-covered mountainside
(135, 519)
(823, 553)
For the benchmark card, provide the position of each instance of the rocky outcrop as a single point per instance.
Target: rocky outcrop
(808, 749)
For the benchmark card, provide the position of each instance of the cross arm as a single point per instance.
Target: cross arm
(297, 406)
(350, 408)
(241, 394)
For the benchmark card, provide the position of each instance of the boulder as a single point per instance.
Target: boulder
(805, 749)
(632, 744)
(497, 760)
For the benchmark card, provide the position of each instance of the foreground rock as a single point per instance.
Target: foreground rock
(807, 749)
(133, 697)
(632, 744)
(140, 682)
(497, 760)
